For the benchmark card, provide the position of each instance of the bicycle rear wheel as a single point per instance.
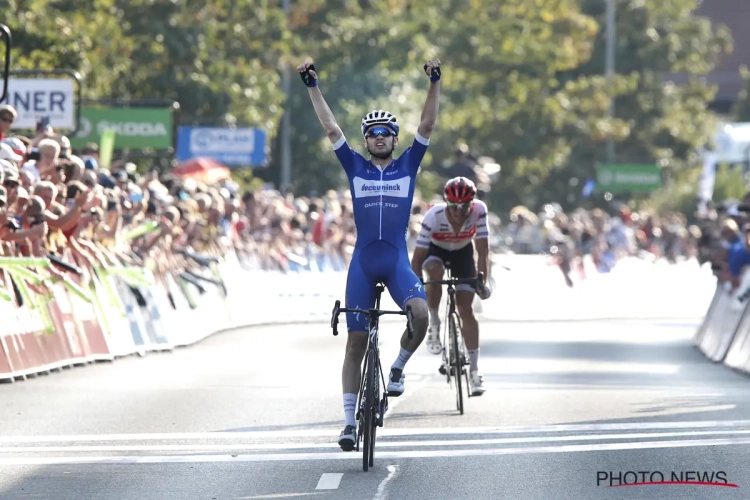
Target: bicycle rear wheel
(369, 410)
(456, 362)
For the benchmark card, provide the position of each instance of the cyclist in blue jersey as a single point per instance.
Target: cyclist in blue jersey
(382, 191)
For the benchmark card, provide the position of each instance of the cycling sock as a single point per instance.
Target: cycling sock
(400, 362)
(350, 403)
(474, 360)
(434, 317)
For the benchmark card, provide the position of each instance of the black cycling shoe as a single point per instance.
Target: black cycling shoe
(348, 438)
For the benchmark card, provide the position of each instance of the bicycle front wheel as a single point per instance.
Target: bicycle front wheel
(457, 362)
(369, 410)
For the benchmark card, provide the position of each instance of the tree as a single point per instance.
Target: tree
(666, 123)
(219, 59)
(741, 110)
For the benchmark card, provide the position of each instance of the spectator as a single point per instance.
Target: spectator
(8, 115)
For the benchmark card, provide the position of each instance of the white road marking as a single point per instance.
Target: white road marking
(291, 457)
(384, 432)
(380, 443)
(381, 493)
(329, 481)
(278, 495)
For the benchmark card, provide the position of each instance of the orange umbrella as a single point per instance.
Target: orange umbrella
(203, 170)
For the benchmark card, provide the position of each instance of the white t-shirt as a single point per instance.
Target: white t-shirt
(437, 230)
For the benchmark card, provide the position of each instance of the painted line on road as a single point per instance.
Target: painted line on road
(292, 457)
(382, 487)
(384, 432)
(380, 444)
(329, 481)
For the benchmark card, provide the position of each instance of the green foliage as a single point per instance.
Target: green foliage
(523, 79)
(741, 111)
(218, 59)
(681, 194)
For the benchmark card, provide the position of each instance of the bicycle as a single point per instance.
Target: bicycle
(455, 358)
(369, 411)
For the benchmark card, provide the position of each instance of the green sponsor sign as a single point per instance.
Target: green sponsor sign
(628, 178)
(135, 127)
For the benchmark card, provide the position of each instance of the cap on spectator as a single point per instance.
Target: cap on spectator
(130, 167)
(16, 145)
(7, 109)
(7, 153)
(64, 143)
(90, 163)
(12, 175)
(107, 181)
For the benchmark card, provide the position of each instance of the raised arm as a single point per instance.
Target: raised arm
(325, 115)
(431, 105)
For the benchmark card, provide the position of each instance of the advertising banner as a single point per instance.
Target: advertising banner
(35, 98)
(136, 128)
(628, 178)
(228, 146)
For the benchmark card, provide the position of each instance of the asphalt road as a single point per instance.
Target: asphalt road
(255, 413)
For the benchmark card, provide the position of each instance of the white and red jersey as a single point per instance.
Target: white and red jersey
(437, 230)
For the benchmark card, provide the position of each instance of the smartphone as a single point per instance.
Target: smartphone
(42, 124)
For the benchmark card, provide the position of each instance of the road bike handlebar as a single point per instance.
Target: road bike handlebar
(376, 313)
(478, 281)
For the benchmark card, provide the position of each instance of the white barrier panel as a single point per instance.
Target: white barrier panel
(738, 353)
(129, 319)
(724, 321)
(531, 290)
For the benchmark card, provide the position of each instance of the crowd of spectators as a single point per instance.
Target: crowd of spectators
(60, 204)
(725, 241)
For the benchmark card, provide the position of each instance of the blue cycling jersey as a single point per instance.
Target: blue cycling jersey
(382, 198)
(381, 201)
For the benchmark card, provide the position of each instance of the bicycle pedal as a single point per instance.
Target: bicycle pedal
(442, 370)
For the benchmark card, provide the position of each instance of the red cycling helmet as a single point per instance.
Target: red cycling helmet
(459, 190)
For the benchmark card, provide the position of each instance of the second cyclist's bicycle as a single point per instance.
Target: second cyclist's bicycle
(455, 357)
(373, 398)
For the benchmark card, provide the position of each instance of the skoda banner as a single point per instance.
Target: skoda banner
(135, 128)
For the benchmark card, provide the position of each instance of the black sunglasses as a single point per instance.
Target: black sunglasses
(460, 206)
(379, 132)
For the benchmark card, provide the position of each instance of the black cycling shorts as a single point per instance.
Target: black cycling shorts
(460, 262)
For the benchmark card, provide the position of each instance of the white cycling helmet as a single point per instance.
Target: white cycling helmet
(380, 117)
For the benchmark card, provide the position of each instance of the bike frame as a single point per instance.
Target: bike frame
(379, 404)
(452, 318)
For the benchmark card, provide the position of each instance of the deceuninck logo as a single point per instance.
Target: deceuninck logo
(398, 188)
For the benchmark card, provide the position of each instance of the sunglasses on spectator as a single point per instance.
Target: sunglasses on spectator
(11, 184)
(459, 206)
(6, 119)
(379, 132)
